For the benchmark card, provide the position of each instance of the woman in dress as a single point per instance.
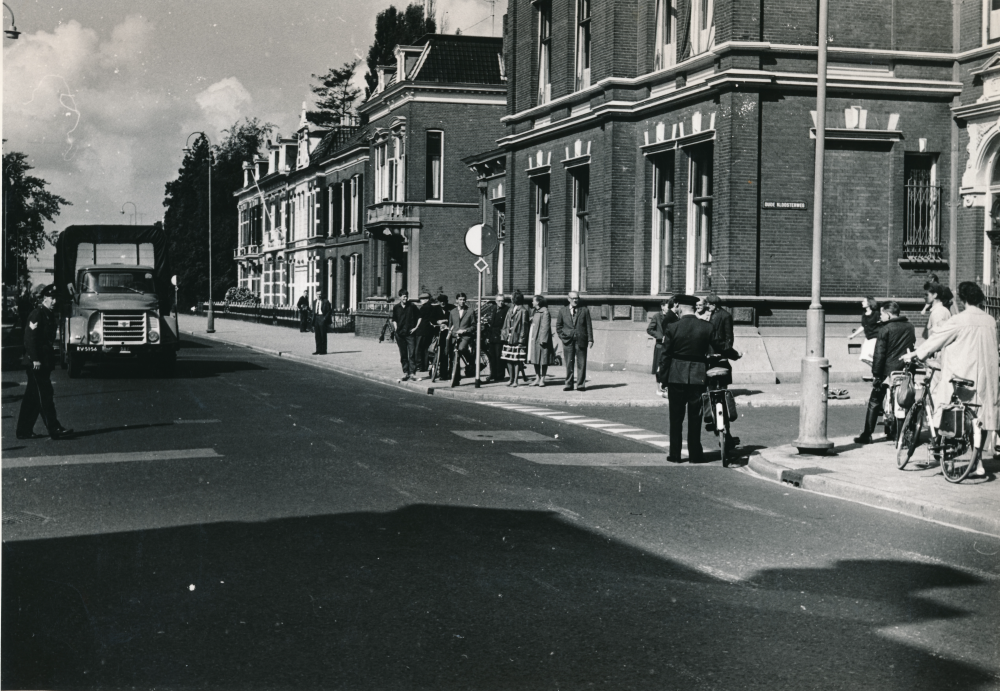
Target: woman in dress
(515, 338)
(540, 339)
(869, 326)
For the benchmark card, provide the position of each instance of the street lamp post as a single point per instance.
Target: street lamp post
(135, 211)
(12, 32)
(815, 366)
(210, 327)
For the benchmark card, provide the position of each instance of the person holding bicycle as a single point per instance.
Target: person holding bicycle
(895, 338)
(461, 333)
(968, 346)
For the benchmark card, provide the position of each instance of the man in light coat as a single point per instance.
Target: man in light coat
(576, 332)
(968, 345)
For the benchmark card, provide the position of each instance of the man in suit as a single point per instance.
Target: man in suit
(461, 332)
(683, 366)
(656, 328)
(303, 306)
(39, 361)
(576, 332)
(494, 341)
(322, 317)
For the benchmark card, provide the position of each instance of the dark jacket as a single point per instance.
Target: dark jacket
(871, 324)
(722, 326)
(405, 318)
(686, 345)
(303, 304)
(40, 338)
(494, 321)
(895, 337)
(658, 324)
(465, 323)
(579, 330)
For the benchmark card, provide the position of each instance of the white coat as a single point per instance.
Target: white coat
(969, 343)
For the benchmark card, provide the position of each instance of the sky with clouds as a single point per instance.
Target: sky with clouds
(102, 94)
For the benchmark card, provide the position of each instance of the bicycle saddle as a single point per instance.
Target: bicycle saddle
(717, 372)
(958, 381)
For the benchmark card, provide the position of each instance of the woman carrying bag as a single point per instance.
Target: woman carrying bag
(515, 338)
(540, 339)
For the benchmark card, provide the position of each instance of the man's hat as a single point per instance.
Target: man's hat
(424, 296)
(48, 291)
(689, 300)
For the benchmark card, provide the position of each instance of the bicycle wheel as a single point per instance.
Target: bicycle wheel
(723, 436)
(484, 367)
(909, 435)
(963, 455)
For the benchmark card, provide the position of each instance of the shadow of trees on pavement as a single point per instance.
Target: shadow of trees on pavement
(449, 598)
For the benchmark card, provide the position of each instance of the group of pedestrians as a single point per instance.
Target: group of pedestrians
(965, 338)
(514, 334)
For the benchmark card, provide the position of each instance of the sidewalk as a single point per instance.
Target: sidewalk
(868, 475)
(380, 361)
(864, 474)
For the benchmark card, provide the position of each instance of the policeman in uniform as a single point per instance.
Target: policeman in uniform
(39, 360)
(683, 366)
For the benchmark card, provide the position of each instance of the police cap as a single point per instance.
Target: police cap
(48, 291)
(689, 300)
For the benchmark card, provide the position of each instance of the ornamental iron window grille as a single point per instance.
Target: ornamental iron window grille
(921, 233)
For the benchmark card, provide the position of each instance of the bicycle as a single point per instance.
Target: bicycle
(954, 444)
(719, 409)
(460, 360)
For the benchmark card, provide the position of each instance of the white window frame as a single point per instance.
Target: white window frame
(665, 51)
(439, 178)
(991, 22)
(663, 224)
(542, 232)
(544, 51)
(354, 204)
(583, 44)
(578, 255)
(699, 240)
(702, 26)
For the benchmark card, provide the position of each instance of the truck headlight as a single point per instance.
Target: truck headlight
(154, 336)
(95, 337)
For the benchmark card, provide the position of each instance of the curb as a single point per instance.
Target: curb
(471, 395)
(869, 496)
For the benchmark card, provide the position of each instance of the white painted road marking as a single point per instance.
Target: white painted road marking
(95, 458)
(598, 459)
(195, 422)
(502, 435)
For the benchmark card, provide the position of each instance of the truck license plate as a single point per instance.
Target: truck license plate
(125, 351)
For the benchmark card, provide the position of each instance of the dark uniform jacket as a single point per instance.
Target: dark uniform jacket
(496, 320)
(40, 338)
(895, 337)
(324, 317)
(686, 345)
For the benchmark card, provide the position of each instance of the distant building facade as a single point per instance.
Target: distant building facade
(356, 212)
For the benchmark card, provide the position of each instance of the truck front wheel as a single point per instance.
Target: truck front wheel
(74, 364)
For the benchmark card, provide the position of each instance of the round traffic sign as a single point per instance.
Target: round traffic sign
(481, 240)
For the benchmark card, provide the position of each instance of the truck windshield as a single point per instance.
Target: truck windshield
(117, 282)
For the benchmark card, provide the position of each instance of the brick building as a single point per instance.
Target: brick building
(668, 146)
(356, 212)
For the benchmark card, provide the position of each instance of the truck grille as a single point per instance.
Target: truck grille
(124, 329)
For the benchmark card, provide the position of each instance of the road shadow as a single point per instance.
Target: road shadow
(9, 384)
(121, 428)
(449, 598)
(190, 345)
(184, 369)
(595, 387)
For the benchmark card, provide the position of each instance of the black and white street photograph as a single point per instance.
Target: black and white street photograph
(500, 345)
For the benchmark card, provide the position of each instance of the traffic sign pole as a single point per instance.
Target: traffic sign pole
(480, 240)
(479, 329)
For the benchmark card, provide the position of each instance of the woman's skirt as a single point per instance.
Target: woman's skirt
(514, 353)
(868, 351)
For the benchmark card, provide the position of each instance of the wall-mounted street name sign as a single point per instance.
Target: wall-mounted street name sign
(783, 205)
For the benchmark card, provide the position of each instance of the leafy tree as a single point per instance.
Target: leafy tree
(335, 97)
(186, 218)
(393, 28)
(27, 206)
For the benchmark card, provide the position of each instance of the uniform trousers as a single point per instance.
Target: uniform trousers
(320, 331)
(685, 398)
(37, 400)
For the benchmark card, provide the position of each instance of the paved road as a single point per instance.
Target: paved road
(255, 523)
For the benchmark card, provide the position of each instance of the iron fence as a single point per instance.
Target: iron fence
(343, 321)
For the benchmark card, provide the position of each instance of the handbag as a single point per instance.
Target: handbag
(905, 393)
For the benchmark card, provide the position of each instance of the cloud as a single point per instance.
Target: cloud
(471, 16)
(223, 103)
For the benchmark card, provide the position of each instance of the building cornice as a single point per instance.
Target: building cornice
(407, 92)
(708, 58)
(713, 83)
